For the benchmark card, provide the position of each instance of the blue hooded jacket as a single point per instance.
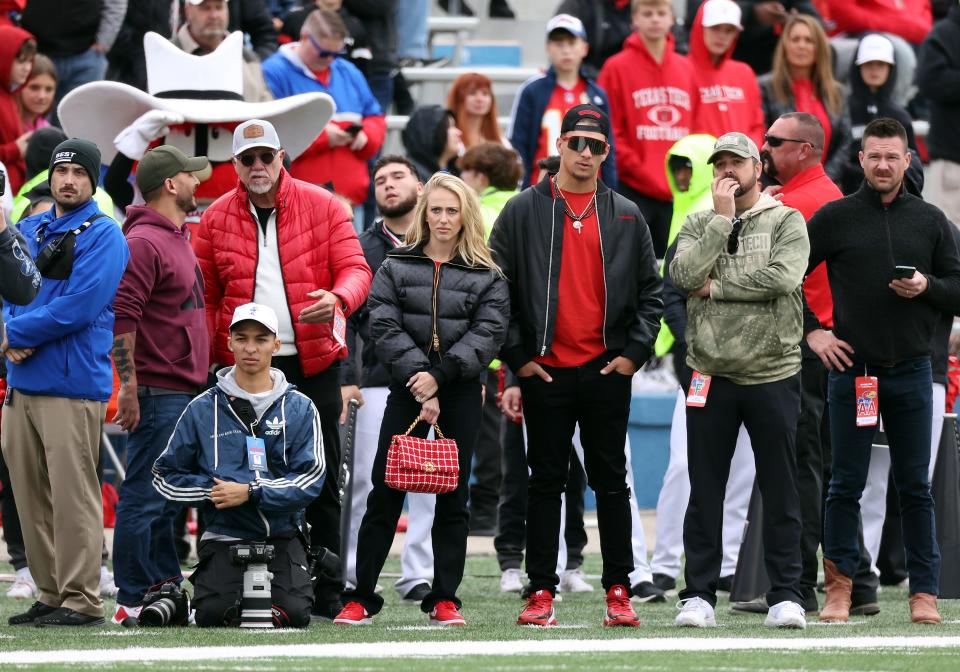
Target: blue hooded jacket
(210, 441)
(70, 323)
(526, 120)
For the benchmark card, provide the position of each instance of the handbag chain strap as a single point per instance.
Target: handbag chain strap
(416, 421)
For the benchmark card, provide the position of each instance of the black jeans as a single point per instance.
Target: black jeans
(600, 405)
(813, 395)
(460, 410)
(487, 454)
(657, 214)
(12, 534)
(323, 513)
(770, 412)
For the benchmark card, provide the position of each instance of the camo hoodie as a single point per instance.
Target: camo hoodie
(749, 330)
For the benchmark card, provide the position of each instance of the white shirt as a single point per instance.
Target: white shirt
(268, 288)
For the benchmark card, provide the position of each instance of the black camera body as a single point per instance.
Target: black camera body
(256, 553)
(165, 606)
(256, 601)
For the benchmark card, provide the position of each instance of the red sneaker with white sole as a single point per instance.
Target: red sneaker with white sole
(353, 614)
(619, 609)
(445, 614)
(539, 610)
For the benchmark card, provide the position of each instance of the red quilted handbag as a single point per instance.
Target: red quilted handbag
(422, 465)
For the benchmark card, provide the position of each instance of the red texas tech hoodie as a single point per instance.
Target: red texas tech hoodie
(729, 97)
(652, 106)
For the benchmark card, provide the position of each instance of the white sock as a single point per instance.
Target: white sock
(24, 573)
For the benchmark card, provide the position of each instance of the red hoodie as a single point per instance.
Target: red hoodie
(729, 94)
(11, 128)
(652, 106)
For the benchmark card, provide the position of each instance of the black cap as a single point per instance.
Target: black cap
(585, 117)
(40, 148)
(79, 151)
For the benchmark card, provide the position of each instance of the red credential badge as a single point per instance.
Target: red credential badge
(699, 387)
(339, 325)
(868, 401)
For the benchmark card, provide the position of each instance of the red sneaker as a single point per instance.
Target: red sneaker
(353, 614)
(445, 614)
(619, 609)
(539, 610)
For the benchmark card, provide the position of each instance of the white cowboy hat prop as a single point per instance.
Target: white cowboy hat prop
(191, 101)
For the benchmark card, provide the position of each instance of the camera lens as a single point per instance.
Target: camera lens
(159, 613)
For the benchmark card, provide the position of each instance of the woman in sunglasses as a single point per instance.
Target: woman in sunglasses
(438, 315)
(802, 81)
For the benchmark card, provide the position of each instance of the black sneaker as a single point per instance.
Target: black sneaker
(417, 594)
(755, 606)
(36, 610)
(665, 583)
(65, 617)
(645, 591)
(724, 584)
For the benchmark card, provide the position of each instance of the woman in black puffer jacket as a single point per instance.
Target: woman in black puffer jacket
(438, 315)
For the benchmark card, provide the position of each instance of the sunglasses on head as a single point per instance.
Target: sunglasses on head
(775, 141)
(578, 142)
(325, 53)
(249, 159)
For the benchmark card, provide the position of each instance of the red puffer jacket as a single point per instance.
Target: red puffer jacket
(318, 250)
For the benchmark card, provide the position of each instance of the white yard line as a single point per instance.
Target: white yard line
(470, 648)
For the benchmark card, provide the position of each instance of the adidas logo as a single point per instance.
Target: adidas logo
(274, 427)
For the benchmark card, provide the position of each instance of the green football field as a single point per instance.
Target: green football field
(401, 640)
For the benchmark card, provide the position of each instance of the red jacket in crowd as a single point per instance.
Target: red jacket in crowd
(11, 128)
(729, 94)
(807, 192)
(910, 19)
(652, 106)
(318, 250)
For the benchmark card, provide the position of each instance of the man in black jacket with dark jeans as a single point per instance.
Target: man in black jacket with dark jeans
(894, 269)
(585, 310)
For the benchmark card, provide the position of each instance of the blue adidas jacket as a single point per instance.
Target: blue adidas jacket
(70, 323)
(210, 440)
(526, 120)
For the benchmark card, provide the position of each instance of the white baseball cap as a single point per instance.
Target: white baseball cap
(255, 133)
(257, 312)
(721, 13)
(569, 23)
(875, 48)
(194, 2)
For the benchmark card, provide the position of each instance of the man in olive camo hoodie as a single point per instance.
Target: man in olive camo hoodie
(742, 262)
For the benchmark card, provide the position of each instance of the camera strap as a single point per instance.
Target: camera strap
(61, 250)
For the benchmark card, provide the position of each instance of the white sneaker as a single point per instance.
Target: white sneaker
(510, 581)
(572, 581)
(107, 587)
(786, 615)
(695, 613)
(24, 587)
(123, 613)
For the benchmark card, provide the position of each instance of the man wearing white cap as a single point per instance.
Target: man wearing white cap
(291, 246)
(253, 476)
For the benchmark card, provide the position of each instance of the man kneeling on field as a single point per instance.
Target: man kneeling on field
(250, 453)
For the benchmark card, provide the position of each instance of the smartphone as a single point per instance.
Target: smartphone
(903, 272)
(353, 129)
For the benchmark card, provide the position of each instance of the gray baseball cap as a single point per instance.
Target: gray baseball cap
(735, 143)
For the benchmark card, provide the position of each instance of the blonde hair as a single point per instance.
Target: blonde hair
(637, 4)
(825, 86)
(472, 242)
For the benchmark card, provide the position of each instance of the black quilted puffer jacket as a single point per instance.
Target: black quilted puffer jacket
(456, 311)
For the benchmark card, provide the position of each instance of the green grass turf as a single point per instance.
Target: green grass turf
(490, 616)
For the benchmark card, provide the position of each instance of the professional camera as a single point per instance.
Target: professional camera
(164, 606)
(324, 563)
(256, 602)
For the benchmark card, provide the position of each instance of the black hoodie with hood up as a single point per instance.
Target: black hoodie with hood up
(424, 138)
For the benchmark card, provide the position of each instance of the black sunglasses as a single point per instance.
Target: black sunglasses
(325, 53)
(578, 142)
(733, 242)
(249, 159)
(775, 141)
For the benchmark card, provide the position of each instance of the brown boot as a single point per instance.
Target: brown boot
(923, 609)
(836, 608)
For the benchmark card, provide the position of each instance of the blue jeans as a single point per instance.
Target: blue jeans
(906, 399)
(411, 16)
(72, 71)
(143, 547)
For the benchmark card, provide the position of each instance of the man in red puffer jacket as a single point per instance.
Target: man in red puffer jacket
(285, 243)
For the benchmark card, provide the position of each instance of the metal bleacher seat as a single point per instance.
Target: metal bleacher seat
(461, 27)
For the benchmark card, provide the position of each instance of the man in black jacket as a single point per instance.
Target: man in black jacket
(894, 269)
(585, 310)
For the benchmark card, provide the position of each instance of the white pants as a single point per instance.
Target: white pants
(941, 187)
(873, 501)
(675, 493)
(416, 562)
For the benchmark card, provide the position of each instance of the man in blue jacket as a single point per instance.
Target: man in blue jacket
(542, 101)
(249, 451)
(60, 380)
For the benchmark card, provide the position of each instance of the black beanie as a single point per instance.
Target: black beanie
(79, 151)
(40, 148)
